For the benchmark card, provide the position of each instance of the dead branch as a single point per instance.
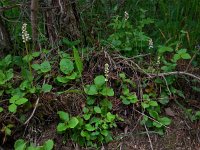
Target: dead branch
(175, 73)
(36, 105)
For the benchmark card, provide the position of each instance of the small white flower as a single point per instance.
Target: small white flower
(126, 15)
(158, 60)
(150, 43)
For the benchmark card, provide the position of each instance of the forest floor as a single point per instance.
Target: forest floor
(182, 134)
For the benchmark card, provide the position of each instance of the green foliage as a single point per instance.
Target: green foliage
(16, 101)
(151, 107)
(99, 87)
(93, 127)
(22, 145)
(127, 38)
(127, 97)
(6, 73)
(67, 68)
(175, 23)
(169, 65)
(7, 129)
(44, 67)
(46, 88)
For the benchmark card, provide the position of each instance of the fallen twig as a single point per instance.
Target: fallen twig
(151, 118)
(36, 104)
(175, 73)
(149, 137)
(33, 112)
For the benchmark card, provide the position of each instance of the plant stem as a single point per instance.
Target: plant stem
(29, 64)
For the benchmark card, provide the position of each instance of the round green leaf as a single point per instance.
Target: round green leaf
(12, 108)
(62, 79)
(157, 125)
(46, 88)
(36, 67)
(97, 109)
(48, 145)
(176, 57)
(73, 122)
(125, 100)
(89, 127)
(85, 134)
(63, 115)
(61, 127)
(153, 114)
(144, 105)
(21, 101)
(165, 121)
(153, 103)
(66, 66)
(107, 91)
(110, 117)
(36, 54)
(90, 100)
(99, 81)
(20, 145)
(14, 98)
(86, 116)
(106, 103)
(105, 132)
(163, 49)
(45, 67)
(90, 90)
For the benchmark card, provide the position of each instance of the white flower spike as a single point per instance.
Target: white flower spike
(106, 71)
(25, 35)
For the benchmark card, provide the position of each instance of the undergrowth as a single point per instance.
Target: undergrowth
(136, 70)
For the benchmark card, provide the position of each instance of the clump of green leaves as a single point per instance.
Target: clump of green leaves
(99, 87)
(92, 128)
(69, 69)
(22, 145)
(126, 37)
(169, 65)
(6, 129)
(127, 97)
(16, 101)
(44, 67)
(152, 108)
(6, 74)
